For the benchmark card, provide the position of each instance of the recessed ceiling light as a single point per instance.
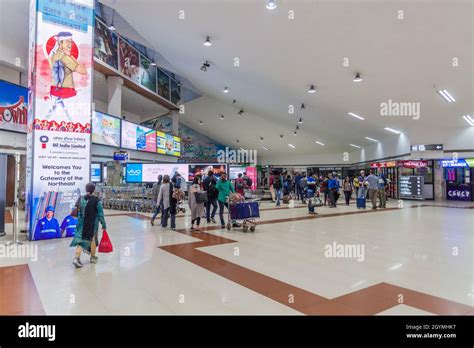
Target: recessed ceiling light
(281, 136)
(355, 146)
(356, 116)
(291, 145)
(312, 89)
(263, 147)
(300, 121)
(205, 65)
(357, 78)
(261, 138)
(372, 139)
(222, 117)
(445, 94)
(469, 119)
(319, 143)
(207, 42)
(226, 90)
(271, 4)
(201, 123)
(392, 130)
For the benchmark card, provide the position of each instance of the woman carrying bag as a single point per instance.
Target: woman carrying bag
(197, 198)
(89, 212)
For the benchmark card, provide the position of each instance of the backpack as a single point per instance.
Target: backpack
(277, 184)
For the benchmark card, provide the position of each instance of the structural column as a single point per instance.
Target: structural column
(175, 119)
(114, 84)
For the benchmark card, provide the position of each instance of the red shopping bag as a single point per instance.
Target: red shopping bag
(105, 245)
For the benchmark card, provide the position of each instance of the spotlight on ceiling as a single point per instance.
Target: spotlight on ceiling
(297, 127)
(222, 117)
(448, 97)
(201, 123)
(241, 112)
(237, 141)
(234, 101)
(207, 42)
(300, 121)
(302, 106)
(261, 138)
(205, 65)
(111, 26)
(281, 136)
(469, 119)
(295, 133)
(312, 89)
(357, 78)
(226, 90)
(271, 4)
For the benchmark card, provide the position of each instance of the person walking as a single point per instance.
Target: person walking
(347, 187)
(333, 188)
(298, 178)
(356, 185)
(271, 184)
(381, 190)
(302, 184)
(362, 185)
(325, 190)
(311, 192)
(240, 185)
(224, 187)
(168, 203)
(209, 185)
(197, 209)
(373, 182)
(277, 185)
(157, 205)
(287, 185)
(89, 213)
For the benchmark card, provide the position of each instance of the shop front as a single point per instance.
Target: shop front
(389, 169)
(457, 176)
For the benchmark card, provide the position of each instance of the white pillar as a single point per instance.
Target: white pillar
(115, 84)
(175, 118)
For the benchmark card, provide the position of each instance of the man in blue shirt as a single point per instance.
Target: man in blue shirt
(332, 186)
(68, 226)
(373, 186)
(48, 226)
(381, 190)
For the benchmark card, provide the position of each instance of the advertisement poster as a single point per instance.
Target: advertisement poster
(96, 172)
(61, 95)
(252, 174)
(149, 172)
(136, 137)
(175, 92)
(13, 107)
(147, 74)
(105, 44)
(234, 172)
(105, 129)
(163, 84)
(168, 144)
(458, 192)
(203, 169)
(129, 61)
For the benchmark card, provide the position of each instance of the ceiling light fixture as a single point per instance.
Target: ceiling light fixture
(226, 90)
(302, 106)
(261, 138)
(319, 143)
(241, 112)
(297, 127)
(234, 101)
(237, 141)
(372, 139)
(222, 117)
(356, 116)
(201, 123)
(111, 26)
(271, 4)
(263, 147)
(207, 42)
(205, 65)
(281, 136)
(445, 94)
(300, 121)
(357, 78)
(469, 119)
(312, 89)
(291, 145)
(355, 146)
(393, 130)
(295, 133)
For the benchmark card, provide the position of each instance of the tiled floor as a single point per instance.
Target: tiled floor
(416, 260)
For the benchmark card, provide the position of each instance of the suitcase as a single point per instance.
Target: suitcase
(244, 210)
(361, 202)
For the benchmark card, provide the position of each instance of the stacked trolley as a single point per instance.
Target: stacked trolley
(247, 212)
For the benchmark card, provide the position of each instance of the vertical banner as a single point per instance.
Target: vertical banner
(60, 108)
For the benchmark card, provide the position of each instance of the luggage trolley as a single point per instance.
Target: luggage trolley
(248, 212)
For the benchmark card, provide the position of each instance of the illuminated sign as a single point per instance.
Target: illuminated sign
(168, 144)
(453, 163)
(413, 164)
(427, 147)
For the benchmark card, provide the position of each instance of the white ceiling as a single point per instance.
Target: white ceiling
(403, 60)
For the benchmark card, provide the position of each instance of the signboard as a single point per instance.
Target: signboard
(203, 169)
(412, 164)
(234, 171)
(458, 192)
(96, 172)
(13, 107)
(411, 187)
(453, 163)
(59, 114)
(149, 172)
(121, 156)
(105, 129)
(168, 144)
(428, 147)
(470, 162)
(137, 137)
(383, 164)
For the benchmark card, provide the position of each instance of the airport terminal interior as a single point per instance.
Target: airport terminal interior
(241, 157)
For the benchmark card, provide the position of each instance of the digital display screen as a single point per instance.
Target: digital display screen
(137, 137)
(149, 172)
(96, 172)
(168, 144)
(411, 187)
(203, 169)
(105, 129)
